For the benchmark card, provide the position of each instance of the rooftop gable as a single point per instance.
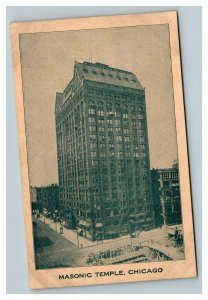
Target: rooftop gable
(102, 73)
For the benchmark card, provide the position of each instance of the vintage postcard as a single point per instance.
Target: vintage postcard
(103, 150)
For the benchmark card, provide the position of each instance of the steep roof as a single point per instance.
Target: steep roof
(104, 74)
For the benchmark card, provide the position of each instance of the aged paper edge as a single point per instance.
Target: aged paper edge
(171, 269)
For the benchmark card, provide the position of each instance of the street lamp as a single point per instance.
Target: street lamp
(55, 215)
(77, 237)
(163, 211)
(76, 226)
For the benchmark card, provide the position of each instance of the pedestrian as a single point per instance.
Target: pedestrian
(176, 236)
(176, 233)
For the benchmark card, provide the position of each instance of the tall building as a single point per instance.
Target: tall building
(166, 196)
(103, 152)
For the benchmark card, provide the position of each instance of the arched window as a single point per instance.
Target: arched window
(133, 109)
(109, 106)
(91, 102)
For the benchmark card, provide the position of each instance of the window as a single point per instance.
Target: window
(102, 138)
(111, 146)
(128, 154)
(92, 128)
(125, 116)
(140, 116)
(94, 162)
(135, 141)
(101, 128)
(117, 122)
(119, 138)
(110, 121)
(93, 154)
(112, 154)
(100, 113)
(92, 137)
(127, 139)
(132, 109)
(93, 146)
(119, 154)
(91, 111)
(126, 130)
(100, 121)
(91, 120)
(90, 92)
(117, 114)
(141, 132)
(119, 147)
(102, 145)
(142, 147)
(118, 129)
(109, 106)
(102, 154)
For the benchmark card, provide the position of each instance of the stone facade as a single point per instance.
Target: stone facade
(166, 196)
(103, 152)
(46, 197)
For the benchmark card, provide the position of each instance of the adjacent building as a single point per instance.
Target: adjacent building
(45, 197)
(166, 196)
(33, 194)
(103, 152)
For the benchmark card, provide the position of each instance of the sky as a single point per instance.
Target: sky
(47, 62)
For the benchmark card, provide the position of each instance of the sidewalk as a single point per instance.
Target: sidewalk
(81, 242)
(153, 239)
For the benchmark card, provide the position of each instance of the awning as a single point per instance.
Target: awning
(98, 225)
(84, 223)
(113, 230)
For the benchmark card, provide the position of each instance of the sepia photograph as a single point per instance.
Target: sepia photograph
(105, 175)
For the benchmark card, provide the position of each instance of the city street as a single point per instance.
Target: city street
(68, 249)
(51, 249)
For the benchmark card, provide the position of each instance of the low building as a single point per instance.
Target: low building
(166, 196)
(45, 197)
(33, 194)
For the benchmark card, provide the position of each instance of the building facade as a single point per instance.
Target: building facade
(103, 152)
(33, 194)
(46, 197)
(166, 196)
